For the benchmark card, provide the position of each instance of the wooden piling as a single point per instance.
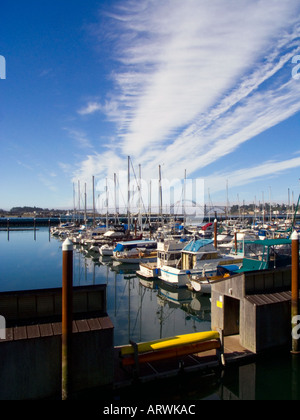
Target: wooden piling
(67, 317)
(235, 242)
(216, 233)
(34, 229)
(295, 292)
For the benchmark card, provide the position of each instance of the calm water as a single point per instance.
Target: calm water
(144, 311)
(139, 310)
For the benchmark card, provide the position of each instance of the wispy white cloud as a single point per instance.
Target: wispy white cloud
(25, 165)
(184, 57)
(80, 137)
(90, 108)
(196, 80)
(47, 181)
(251, 174)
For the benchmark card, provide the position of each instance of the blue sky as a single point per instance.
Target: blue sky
(200, 86)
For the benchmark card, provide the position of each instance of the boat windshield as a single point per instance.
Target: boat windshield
(265, 250)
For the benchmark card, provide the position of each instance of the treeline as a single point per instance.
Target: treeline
(281, 208)
(27, 209)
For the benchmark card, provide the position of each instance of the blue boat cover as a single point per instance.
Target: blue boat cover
(183, 240)
(119, 248)
(195, 246)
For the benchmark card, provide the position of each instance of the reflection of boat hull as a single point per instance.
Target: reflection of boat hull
(178, 296)
(148, 284)
(106, 251)
(134, 260)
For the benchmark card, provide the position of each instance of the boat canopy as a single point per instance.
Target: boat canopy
(195, 246)
(228, 269)
(269, 242)
(121, 246)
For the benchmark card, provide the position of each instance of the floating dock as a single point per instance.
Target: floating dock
(234, 353)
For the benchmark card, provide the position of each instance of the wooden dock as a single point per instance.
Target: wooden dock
(233, 353)
(18, 229)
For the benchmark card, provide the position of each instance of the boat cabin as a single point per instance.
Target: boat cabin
(202, 249)
(265, 254)
(128, 245)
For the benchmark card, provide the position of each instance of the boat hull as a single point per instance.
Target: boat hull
(175, 277)
(201, 286)
(133, 260)
(149, 270)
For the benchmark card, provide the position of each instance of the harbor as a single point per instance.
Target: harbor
(150, 203)
(139, 307)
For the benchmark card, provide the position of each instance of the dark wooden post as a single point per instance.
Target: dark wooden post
(216, 233)
(235, 242)
(67, 317)
(295, 292)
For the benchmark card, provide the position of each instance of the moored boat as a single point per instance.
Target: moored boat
(197, 256)
(168, 253)
(135, 252)
(202, 283)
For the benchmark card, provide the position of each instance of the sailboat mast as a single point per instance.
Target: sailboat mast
(160, 194)
(184, 199)
(94, 216)
(128, 197)
(115, 192)
(106, 206)
(140, 198)
(85, 217)
(79, 201)
(74, 205)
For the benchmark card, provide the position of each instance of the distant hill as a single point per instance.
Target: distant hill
(27, 209)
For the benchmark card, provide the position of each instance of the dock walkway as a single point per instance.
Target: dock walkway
(233, 353)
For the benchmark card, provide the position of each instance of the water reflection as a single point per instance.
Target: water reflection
(139, 310)
(145, 310)
(273, 376)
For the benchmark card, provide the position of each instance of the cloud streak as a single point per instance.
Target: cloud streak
(251, 174)
(196, 80)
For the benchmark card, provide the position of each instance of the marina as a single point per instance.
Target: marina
(140, 307)
(150, 203)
